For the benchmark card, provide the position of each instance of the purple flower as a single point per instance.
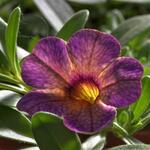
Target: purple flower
(82, 81)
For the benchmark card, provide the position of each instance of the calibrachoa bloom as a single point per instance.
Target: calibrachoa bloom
(83, 80)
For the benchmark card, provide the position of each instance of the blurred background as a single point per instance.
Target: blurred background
(105, 15)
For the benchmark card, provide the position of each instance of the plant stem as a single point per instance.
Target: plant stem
(125, 136)
(12, 88)
(6, 78)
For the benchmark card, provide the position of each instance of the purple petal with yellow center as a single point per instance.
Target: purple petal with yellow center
(82, 117)
(85, 84)
(92, 51)
(122, 93)
(123, 68)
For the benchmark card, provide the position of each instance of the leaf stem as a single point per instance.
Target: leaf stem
(12, 88)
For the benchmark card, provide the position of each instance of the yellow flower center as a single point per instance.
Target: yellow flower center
(86, 91)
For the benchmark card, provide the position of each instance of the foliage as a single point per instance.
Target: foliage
(62, 18)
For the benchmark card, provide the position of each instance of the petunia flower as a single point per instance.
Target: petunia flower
(83, 80)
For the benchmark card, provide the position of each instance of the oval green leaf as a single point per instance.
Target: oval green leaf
(75, 23)
(50, 133)
(21, 53)
(144, 101)
(11, 35)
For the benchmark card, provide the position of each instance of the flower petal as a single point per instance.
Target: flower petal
(122, 93)
(123, 68)
(36, 74)
(42, 100)
(52, 52)
(82, 117)
(92, 50)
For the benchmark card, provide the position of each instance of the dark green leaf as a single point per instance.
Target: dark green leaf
(75, 23)
(50, 133)
(132, 28)
(3, 62)
(131, 147)
(20, 51)
(11, 38)
(95, 142)
(14, 125)
(56, 12)
(142, 104)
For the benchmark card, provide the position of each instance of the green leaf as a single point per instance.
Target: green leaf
(95, 142)
(142, 104)
(50, 133)
(146, 70)
(14, 125)
(21, 53)
(131, 147)
(123, 118)
(56, 12)
(11, 35)
(131, 28)
(32, 43)
(75, 23)
(3, 62)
